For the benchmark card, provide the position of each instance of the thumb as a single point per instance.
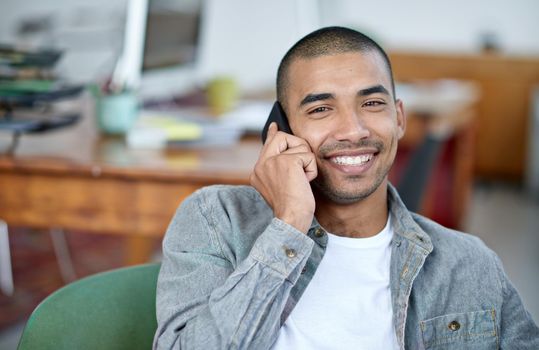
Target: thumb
(272, 130)
(311, 170)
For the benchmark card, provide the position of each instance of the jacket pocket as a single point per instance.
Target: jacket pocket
(470, 330)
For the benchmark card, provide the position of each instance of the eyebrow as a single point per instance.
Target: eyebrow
(373, 90)
(310, 98)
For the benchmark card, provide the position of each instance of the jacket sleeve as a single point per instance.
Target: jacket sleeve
(517, 328)
(204, 301)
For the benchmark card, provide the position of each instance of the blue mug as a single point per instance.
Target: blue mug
(117, 112)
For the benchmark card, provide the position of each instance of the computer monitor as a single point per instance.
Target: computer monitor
(171, 43)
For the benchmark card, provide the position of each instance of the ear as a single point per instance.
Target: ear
(401, 118)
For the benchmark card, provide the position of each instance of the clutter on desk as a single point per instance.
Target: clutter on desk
(29, 90)
(186, 128)
(41, 60)
(189, 120)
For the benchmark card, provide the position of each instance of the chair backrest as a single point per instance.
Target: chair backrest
(109, 310)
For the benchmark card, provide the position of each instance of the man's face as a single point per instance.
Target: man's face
(342, 105)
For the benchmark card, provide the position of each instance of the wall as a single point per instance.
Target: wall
(456, 25)
(262, 31)
(248, 37)
(421, 25)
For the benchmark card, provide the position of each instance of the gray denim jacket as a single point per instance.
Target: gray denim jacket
(232, 273)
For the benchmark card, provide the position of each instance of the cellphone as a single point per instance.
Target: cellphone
(277, 115)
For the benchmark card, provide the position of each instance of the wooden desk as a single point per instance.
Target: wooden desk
(76, 180)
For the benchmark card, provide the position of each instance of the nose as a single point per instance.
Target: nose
(351, 127)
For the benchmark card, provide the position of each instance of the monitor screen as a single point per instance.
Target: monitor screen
(171, 45)
(172, 31)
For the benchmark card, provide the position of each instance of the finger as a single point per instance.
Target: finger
(272, 130)
(302, 148)
(282, 141)
(310, 167)
(307, 161)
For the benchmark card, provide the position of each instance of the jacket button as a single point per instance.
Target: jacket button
(319, 232)
(291, 253)
(303, 270)
(454, 326)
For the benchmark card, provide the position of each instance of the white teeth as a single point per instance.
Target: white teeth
(357, 160)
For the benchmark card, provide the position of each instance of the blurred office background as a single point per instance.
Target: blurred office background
(483, 54)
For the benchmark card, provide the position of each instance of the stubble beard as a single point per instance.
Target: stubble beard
(324, 185)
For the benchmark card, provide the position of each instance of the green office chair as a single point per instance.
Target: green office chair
(109, 310)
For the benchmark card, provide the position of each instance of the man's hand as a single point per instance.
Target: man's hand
(282, 174)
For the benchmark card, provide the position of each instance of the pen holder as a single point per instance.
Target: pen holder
(116, 113)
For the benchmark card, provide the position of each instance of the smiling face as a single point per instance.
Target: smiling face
(342, 105)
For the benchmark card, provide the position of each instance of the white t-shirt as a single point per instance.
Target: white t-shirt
(347, 304)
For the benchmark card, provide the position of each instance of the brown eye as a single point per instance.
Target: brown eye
(373, 103)
(319, 110)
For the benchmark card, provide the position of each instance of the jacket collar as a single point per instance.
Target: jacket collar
(403, 223)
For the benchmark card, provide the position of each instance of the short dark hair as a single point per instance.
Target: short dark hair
(327, 41)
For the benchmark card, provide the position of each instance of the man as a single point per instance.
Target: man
(320, 253)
